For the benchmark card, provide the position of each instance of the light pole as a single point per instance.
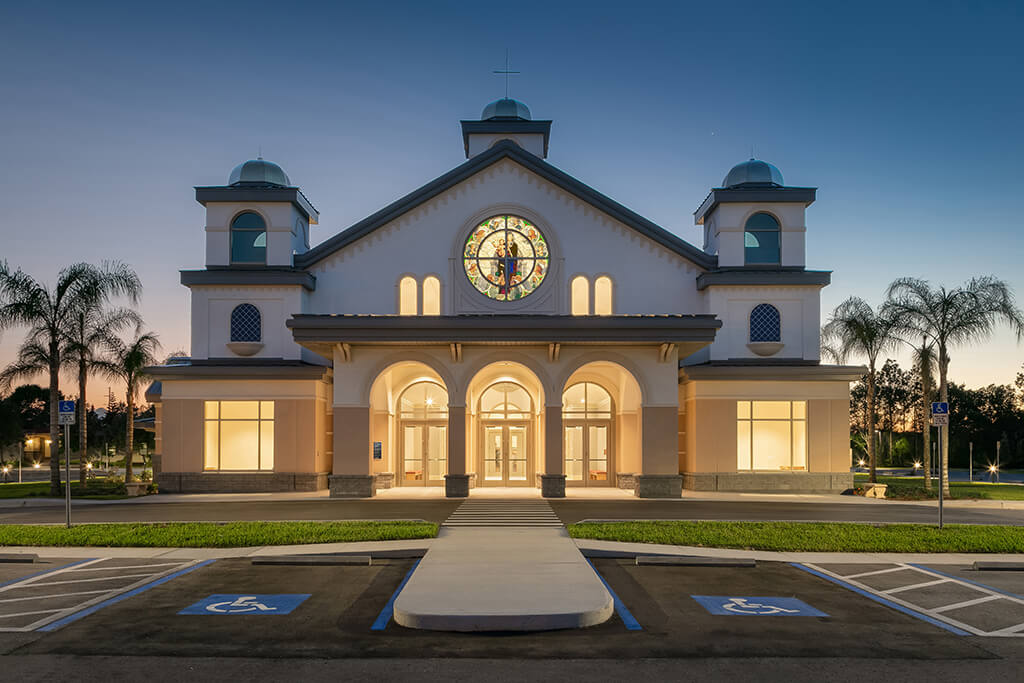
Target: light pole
(970, 462)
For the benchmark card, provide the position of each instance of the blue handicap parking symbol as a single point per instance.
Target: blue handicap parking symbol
(756, 607)
(247, 604)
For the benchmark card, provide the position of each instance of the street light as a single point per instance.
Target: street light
(861, 463)
(917, 465)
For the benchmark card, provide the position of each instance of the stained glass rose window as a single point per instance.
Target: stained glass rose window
(506, 257)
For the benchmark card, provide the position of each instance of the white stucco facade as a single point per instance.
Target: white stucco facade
(673, 355)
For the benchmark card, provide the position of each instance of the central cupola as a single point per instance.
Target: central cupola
(506, 119)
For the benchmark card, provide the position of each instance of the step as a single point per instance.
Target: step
(503, 579)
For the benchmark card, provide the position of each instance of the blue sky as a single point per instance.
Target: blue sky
(906, 115)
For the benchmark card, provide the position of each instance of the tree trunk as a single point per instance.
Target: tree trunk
(83, 435)
(129, 435)
(54, 427)
(944, 431)
(872, 476)
(926, 430)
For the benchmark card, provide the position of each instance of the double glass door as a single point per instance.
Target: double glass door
(424, 454)
(586, 453)
(505, 454)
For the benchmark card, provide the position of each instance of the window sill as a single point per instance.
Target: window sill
(765, 348)
(245, 348)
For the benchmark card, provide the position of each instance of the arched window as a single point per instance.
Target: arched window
(761, 240)
(424, 400)
(407, 296)
(246, 324)
(431, 296)
(506, 257)
(506, 401)
(603, 295)
(248, 238)
(580, 296)
(765, 324)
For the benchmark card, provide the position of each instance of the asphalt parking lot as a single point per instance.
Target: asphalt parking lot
(233, 608)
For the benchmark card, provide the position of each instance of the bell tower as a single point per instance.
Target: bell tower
(506, 119)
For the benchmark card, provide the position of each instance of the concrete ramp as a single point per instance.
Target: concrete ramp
(482, 578)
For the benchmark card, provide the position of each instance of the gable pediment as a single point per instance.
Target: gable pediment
(507, 150)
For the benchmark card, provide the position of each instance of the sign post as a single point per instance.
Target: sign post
(940, 418)
(66, 417)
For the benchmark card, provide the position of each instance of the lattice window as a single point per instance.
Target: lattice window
(246, 324)
(765, 324)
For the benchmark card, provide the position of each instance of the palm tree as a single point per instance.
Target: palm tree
(24, 301)
(854, 328)
(952, 317)
(127, 362)
(88, 329)
(924, 360)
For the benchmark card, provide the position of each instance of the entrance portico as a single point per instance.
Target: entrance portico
(531, 401)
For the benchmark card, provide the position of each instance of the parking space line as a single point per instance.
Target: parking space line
(966, 603)
(1009, 631)
(944, 623)
(100, 578)
(925, 584)
(25, 614)
(55, 595)
(385, 615)
(620, 607)
(87, 609)
(134, 566)
(874, 573)
(984, 587)
(30, 579)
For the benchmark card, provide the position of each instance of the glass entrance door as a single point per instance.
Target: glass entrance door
(506, 455)
(586, 454)
(424, 454)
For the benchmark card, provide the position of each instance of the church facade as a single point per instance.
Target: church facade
(503, 325)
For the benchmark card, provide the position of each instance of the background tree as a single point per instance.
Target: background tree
(88, 328)
(855, 328)
(949, 318)
(127, 361)
(47, 313)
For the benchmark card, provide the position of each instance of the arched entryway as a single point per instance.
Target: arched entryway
(588, 422)
(505, 400)
(423, 434)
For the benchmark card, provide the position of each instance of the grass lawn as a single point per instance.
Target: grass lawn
(812, 536)
(912, 488)
(211, 535)
(96, 489)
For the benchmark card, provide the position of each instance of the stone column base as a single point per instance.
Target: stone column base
(552, 485)
(659, 486)
(352, 485)
(456, 485)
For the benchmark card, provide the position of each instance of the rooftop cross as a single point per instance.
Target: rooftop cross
(506, 72)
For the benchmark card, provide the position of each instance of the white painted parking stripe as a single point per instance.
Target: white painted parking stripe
(876, 572)
(55, 595)
(97, 578)
(1010, 631)
(34, 578)
(966, 603)
(912, 586)
(25, 614)
(134, 566)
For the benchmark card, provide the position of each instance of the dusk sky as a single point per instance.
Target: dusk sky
(906, 116)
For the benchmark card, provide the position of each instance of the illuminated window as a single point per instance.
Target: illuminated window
(771, 435)
(765, 324)
(586, 423)
(761, 240)
(248, 239)
(407, 296)
(431, 296)
(506, 258)
(246, 324)
(238, 435)
(603, 295)
(424, 400)
(505, 401)
(580, 296)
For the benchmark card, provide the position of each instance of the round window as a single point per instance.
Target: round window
(506, 258)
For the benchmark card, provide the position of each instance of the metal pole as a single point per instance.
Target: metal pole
(970, 463)
(998, 445)
(21, 457)
(942, 472)
(67, 473)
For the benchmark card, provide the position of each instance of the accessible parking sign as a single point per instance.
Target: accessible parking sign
(261, 605)
(727, 605)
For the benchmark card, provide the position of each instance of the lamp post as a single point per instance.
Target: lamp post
(970, 462)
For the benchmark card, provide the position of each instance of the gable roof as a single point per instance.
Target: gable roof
(507, 149)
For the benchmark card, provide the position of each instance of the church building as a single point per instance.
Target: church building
(503, 325)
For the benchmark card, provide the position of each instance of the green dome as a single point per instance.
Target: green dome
(259, 172)
(506, 108)
(753, 173)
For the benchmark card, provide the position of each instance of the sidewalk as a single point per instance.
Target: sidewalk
(583, 544)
